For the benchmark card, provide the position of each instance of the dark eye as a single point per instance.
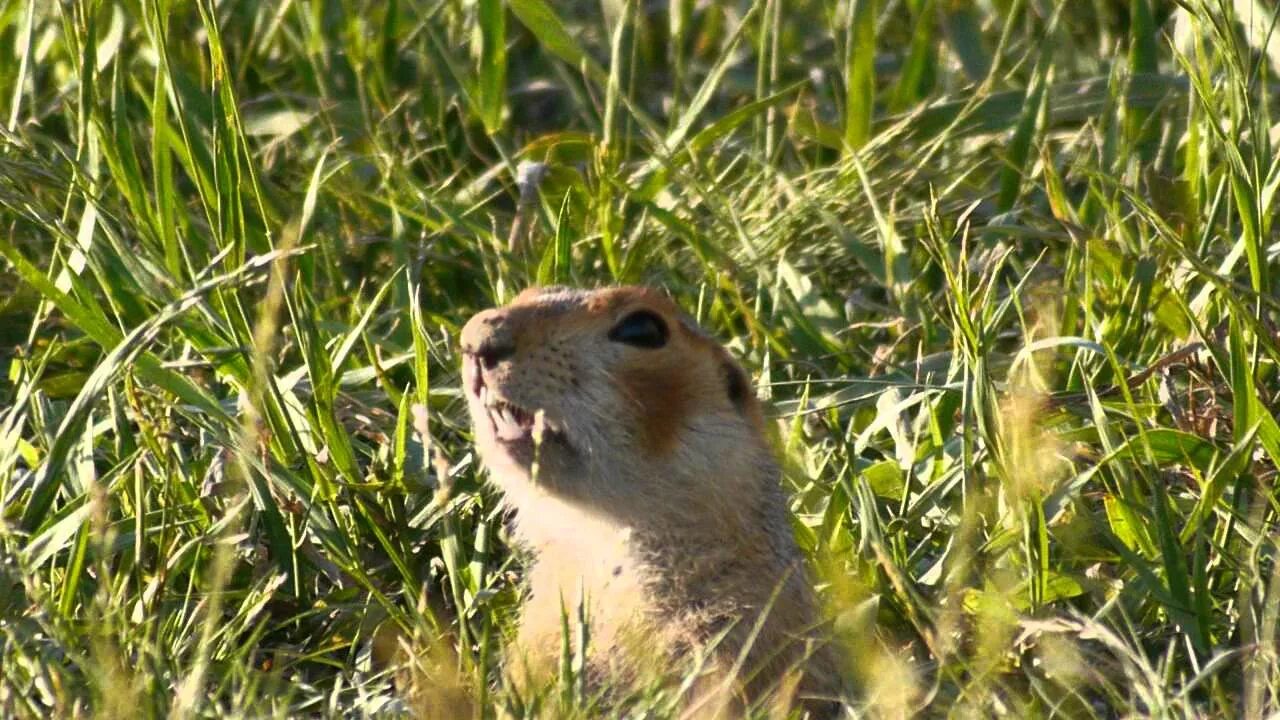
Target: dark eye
(641, 329)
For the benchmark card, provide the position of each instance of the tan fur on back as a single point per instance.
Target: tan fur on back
(655, 493)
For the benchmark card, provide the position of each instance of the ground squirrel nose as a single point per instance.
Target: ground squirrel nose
(488, 338)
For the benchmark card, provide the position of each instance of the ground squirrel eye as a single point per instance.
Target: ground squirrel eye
(641, 328)
(736, 385)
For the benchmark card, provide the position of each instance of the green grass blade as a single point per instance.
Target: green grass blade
(492, 71)
(859, 73)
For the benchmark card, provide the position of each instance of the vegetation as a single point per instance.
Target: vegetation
(1004, 269)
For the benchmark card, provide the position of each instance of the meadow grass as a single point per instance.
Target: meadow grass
(1001, 267)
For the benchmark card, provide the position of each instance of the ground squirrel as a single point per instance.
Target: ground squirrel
(632, 448)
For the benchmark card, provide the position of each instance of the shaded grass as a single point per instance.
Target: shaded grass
(1003, 269)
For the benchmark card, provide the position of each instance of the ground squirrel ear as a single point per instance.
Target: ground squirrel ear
(736, 384)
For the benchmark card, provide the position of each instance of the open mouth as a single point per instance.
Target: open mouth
(512, 423)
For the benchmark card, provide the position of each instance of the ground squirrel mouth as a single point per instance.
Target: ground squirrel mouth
(512, 423)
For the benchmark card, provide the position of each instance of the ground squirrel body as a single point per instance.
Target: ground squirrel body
(632, 448)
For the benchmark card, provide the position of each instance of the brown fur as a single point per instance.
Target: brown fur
(656, 494)
(663, 398)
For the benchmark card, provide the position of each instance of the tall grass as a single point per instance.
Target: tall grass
(1003, 267)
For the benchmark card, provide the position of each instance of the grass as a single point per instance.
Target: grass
(1004, 269)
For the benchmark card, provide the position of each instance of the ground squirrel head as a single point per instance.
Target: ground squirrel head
(615, 393)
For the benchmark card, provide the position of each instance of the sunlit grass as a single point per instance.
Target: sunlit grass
(1003, 269)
